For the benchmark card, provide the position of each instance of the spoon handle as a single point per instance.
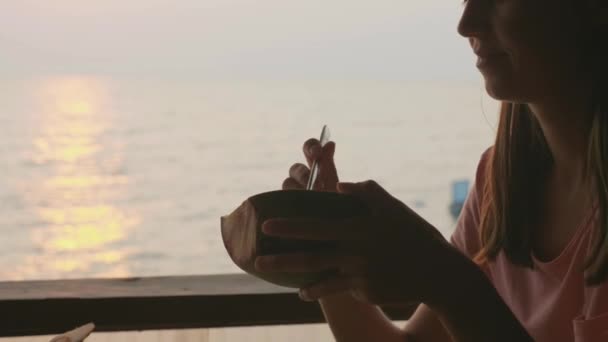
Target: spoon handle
(314, 170)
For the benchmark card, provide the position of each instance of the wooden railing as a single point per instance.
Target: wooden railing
(49, 307)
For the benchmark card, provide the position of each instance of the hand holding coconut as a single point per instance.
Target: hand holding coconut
(389, 254)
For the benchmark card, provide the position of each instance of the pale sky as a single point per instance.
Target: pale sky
(395, 39)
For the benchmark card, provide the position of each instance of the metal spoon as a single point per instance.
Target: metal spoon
(314, 170)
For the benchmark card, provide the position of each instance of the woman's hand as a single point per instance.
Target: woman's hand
(389, 256)
(327, 177)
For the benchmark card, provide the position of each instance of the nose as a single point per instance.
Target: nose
(474, 22)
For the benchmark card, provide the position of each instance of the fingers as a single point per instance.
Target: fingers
(371, 193)
(367, 189)
(328, 152)
(299, 173)
(307, 262)
(331, 286)
(327, 167)
(328, 175)
(312, 150)
(320, 230)
(291, 184)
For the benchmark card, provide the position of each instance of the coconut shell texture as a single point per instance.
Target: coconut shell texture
(244, 240)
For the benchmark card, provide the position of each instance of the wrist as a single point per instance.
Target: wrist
(469, 306)
(454, 277)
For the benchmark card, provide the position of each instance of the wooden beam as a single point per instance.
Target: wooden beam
(50, 307)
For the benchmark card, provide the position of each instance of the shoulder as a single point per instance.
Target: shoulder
(466, 233)
(483, 169)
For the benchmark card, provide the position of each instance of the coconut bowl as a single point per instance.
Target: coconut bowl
(244, 240)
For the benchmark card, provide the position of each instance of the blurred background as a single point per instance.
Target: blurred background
(129, 127)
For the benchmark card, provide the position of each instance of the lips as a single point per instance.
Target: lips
(487, 58)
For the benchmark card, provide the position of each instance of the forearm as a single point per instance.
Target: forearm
(354, 321)
(471, 309)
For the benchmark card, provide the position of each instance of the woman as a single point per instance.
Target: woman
(529, 257)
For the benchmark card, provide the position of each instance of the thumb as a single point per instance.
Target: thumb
(369, 191)
(327, 166)
(329, 150)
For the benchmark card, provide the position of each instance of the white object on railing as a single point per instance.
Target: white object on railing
(76, 335)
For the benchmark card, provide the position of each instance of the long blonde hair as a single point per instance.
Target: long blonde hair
(511, 196)
(512, 191)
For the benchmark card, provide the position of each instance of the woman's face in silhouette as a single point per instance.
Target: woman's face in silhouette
(527, 49)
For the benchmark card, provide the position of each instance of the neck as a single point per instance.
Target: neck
(566, 123)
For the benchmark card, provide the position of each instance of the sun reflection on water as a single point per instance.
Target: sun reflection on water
(82, 223)
(84, 228)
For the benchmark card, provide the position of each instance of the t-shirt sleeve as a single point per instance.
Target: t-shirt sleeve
(466, 236)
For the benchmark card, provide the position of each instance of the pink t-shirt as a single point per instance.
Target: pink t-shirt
(551, 301)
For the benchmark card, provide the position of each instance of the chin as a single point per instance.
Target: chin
(501, 89)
